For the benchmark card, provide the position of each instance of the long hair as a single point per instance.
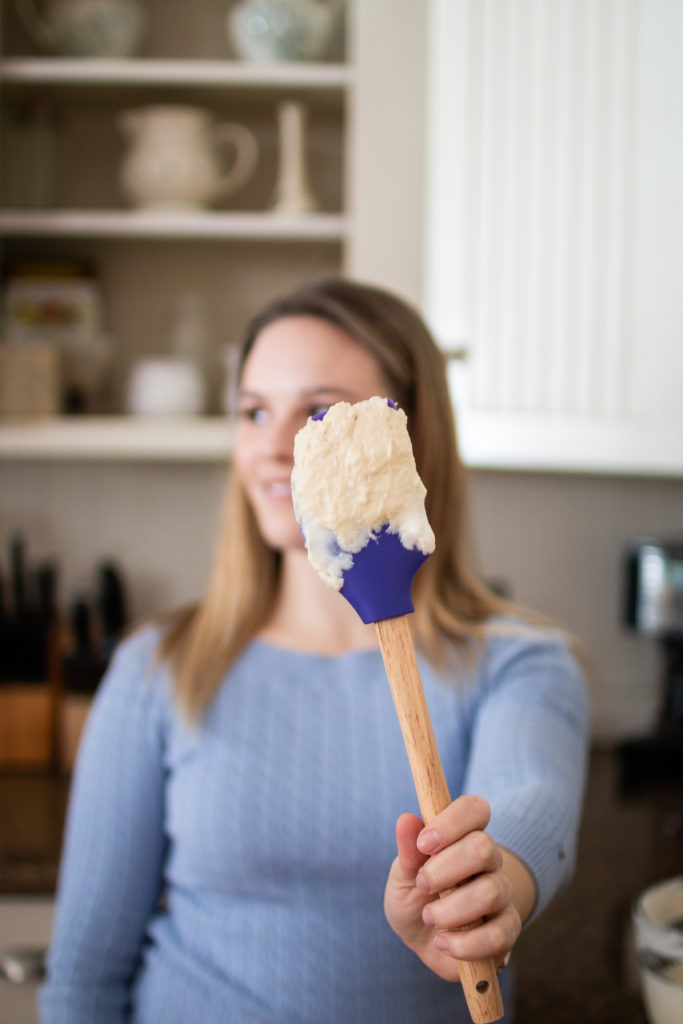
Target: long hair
(451, 602)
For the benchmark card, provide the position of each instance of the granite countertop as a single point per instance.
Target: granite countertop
(574, 964)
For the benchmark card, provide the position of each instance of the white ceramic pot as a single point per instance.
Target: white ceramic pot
(165, 386)
(663, 995)
(175, 161)
(85, 28)
(280, 30)
(657, 923)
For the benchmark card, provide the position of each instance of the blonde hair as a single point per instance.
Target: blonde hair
(451, 602)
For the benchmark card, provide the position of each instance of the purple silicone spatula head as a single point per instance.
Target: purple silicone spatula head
(378, 584)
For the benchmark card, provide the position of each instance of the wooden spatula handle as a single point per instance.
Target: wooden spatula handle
(479, 977)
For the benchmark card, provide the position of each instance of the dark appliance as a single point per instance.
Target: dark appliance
(653, 607)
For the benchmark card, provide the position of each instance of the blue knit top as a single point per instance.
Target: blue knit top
(234, 874)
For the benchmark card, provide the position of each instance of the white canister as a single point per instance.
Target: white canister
(165, 386)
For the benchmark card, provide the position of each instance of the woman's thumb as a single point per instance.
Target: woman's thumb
(410, 860)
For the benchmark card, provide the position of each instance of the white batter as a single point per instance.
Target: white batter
(354, 472)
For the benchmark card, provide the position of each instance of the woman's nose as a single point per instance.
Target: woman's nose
(281, 437)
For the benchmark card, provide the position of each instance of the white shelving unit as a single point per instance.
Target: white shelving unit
(143, 224)
(114, 84)
(115, 438)
(214, 74)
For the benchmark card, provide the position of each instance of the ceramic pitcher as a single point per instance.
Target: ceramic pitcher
(175, 157)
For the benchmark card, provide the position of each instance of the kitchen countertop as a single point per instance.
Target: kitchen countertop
(573, 964)
(32, 812)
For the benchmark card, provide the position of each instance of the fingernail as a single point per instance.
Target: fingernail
(427, 915)
(422, 883)
(428, 840)
(441, 941)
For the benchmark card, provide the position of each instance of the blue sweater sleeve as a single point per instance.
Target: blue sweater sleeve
(529, 754)
(110, 875)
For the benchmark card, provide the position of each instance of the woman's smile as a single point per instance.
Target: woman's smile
(279, 489)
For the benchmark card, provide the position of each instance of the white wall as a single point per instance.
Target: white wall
(559, 542)
(158, 521)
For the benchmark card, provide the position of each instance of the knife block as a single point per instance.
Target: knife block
(26, 725)
(73, 713)
(28, 714)
(80, 677)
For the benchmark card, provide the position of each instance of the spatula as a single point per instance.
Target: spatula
(378, 585)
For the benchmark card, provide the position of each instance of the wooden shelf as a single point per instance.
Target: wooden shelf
(328, 227)
(119, 438)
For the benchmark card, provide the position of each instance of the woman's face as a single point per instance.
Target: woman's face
(296, 367)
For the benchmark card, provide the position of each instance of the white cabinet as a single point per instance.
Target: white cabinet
(554, 229)
(236, 254)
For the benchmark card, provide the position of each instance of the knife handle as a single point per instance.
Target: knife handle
(17, 574)
(479, 977)
(80, 625)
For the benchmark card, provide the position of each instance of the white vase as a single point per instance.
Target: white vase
(293, 192)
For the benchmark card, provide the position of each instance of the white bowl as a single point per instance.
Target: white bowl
(658, 938)
(663, 995)
(165, 386)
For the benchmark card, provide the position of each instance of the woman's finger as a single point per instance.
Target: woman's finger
(475, 853)
(492, 938)
(410, 860)
(464, 815)
(484, 896)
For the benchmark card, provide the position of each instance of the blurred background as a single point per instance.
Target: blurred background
(513, 168)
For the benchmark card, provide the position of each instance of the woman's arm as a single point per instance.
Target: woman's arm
(508, 854)
(110, 875)
(524, 894)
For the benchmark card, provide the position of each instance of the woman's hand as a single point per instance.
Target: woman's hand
(452, 851)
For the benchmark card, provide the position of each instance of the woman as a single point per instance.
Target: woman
(242, 843)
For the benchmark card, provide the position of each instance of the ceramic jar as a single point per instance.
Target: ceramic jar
(85, 28)
(281, 30)
(174, 161)
(657, 931)
(165, 386)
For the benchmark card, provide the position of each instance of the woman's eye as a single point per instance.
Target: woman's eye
(315, 409)
(253, 414)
